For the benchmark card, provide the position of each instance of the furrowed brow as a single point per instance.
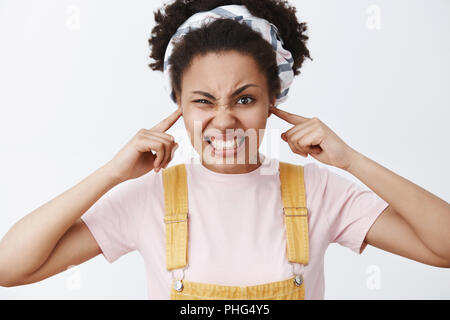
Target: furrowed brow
(238, 91)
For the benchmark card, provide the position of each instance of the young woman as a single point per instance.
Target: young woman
(228, 65)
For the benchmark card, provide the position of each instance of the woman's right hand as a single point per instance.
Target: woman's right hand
(137, 158)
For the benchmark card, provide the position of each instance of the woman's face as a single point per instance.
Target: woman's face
(225, 104)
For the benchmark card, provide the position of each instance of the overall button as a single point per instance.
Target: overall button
(298, 280)
(178, 285)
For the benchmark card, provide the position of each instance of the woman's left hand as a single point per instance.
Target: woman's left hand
(312, 136)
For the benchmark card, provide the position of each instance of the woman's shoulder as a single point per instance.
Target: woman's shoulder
(319, 179)
(324, 179)
(311, 171)
(137, 189)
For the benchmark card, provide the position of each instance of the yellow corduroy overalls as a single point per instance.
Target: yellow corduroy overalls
(296, 222)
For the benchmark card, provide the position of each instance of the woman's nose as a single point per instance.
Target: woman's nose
(223, 117)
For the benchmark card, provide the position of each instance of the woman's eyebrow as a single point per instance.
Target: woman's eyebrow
(210, 96)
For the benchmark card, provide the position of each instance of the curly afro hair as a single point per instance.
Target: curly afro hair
(226, 34)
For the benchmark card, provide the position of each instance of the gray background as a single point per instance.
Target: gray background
(74, 88)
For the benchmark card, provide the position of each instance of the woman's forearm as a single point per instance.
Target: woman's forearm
(29, 242)
(427, 214)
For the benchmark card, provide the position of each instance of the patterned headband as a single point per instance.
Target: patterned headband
(238, 13)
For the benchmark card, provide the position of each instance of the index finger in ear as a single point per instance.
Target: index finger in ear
(165, 124)
(289, 117)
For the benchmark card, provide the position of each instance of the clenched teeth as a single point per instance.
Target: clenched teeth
(229, 144)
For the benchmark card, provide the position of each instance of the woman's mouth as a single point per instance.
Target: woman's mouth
(229, 147)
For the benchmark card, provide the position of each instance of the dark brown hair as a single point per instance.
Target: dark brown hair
(226, 34)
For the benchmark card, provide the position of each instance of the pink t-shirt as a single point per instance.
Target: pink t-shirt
(236, 230)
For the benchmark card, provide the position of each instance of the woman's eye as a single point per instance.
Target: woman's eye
(201, 100)
(247, 100)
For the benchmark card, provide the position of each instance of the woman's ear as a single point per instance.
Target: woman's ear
(271, 105)
(179, 104)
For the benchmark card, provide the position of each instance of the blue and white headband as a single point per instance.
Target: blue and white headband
(238, 13)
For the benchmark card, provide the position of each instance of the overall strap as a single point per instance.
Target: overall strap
(295, 212)
(176, 215)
